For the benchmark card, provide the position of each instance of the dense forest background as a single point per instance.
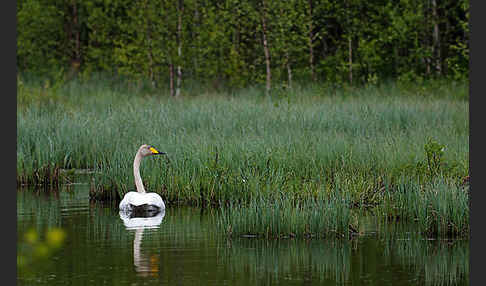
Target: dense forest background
(235, 44)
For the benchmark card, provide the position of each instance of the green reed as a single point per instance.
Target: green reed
(284, 217)
(438, 208)
(241, 147)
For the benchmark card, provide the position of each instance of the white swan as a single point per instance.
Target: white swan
(140, 199)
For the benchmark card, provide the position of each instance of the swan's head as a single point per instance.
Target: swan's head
(148, 150)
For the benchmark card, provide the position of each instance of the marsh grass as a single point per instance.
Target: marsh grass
(438, 208)
(243, 148)
(284, 218)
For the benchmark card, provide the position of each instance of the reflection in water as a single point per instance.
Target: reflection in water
(101, 245)
(272, 260)
(32, 248)
(141, 222)
(40, 241)
(144, 265)
(349, 262)
(439, 262)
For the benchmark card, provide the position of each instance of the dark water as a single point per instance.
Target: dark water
(63, 239)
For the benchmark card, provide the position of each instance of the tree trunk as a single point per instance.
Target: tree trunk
(180, 8)
(289, 70)
(77, 49)
(74, 35)
(311, 39)
(196, 38)
(149, 48)
(446, 35)
(350, 49)
(265, 49)
(349, 31)
(151, 63)
(171, 79)
(426, 38)
(436, 45)
(238, 36)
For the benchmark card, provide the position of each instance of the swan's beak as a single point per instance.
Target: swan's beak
(156, 152)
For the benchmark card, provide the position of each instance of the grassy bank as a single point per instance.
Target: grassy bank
(241, 148)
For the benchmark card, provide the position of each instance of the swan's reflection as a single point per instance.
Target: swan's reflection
(145, 265)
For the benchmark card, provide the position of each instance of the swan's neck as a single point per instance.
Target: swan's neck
(136, 173)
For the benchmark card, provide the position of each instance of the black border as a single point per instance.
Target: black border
(9, 149)
(9, 90)
(476, 45)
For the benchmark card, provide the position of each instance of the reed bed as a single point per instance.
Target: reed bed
(438, 208)
(244, 148)
(284, 218)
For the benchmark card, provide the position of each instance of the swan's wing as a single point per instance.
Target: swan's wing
(155, 199)
(127, 199)
(138, 199)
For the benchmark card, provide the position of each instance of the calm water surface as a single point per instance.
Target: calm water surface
(63, 239)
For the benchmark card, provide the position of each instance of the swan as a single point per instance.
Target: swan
(140, 200)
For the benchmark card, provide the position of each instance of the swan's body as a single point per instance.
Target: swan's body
(141, 200)
(145, 200)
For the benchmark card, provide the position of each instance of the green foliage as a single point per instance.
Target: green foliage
(434, 153)
(221, 42)
(40, 42)
(435, 164)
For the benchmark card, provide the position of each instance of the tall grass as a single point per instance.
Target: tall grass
(283, 217)
(239, 147)
(438, 208)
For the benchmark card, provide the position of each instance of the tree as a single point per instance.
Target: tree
(239, 43)
(263, 18)
(180, 11)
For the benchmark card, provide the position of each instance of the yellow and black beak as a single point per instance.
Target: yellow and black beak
(156, 152)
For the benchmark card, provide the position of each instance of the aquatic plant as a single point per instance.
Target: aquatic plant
(241, 148)
(438, 208)
(285, 217)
